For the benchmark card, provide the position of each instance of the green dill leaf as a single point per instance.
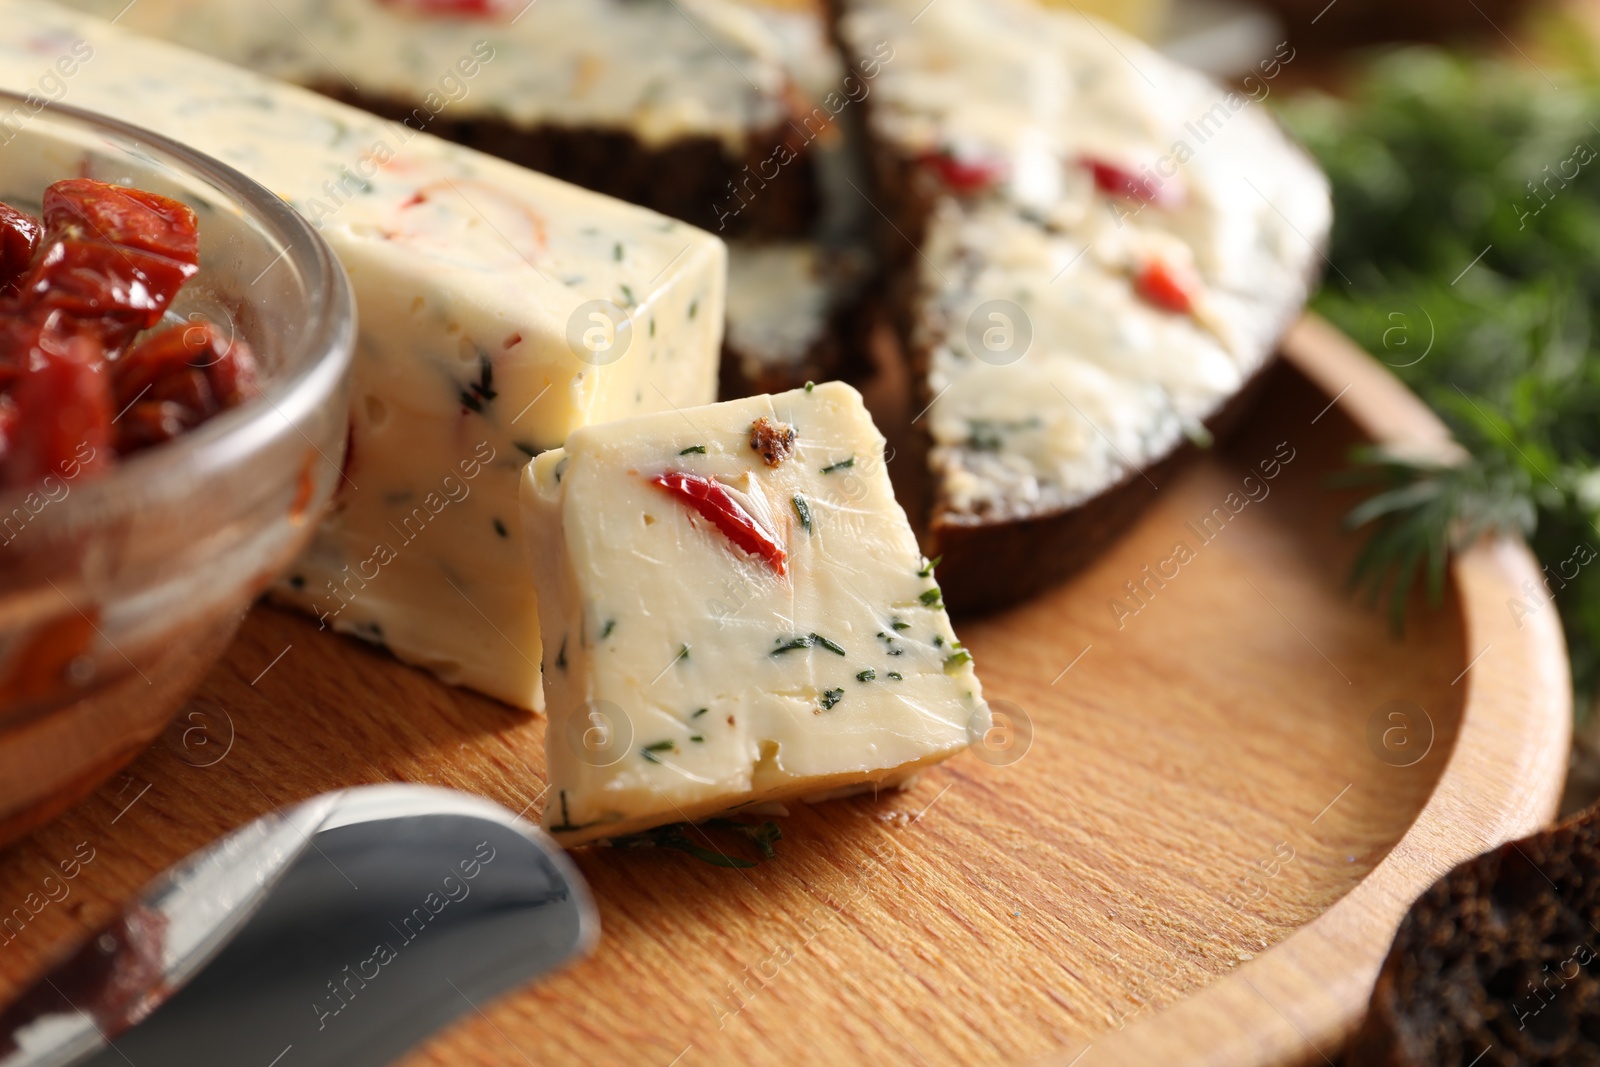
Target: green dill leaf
(803, 510)
(649, 751)
(485, 383)
(699, 713)
(566, 825)
(867, 675)
(898, 623)
(928, 565)
(843, 464)
(763, 834)
(897, 676)
(611, 624)
(831, 646)
(931, 597)
(1421, 513)
(955, 662)
(674, 837)
(830, 697)
(694, 450)
(983, 436)
(794, 644)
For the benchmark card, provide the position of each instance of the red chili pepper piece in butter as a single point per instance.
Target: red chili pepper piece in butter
(707, 497)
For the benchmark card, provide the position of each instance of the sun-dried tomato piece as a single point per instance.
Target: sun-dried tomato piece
(84, 209)
(707, 497)
(19, 240)
(1119, 181)
(1164, 287)
(113, 291)
(18, 335)
(233, 371)
(773, 441)
(23, 330)
(964, 175)
(177, 379)
(62, 424)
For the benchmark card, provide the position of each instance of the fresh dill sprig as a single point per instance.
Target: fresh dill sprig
(682, 837)
(1420, 513)
(1467, 237)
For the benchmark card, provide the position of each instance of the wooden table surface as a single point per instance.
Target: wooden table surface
(1200, 858)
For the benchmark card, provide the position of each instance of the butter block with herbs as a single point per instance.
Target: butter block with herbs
(734, 611)
(499, 310)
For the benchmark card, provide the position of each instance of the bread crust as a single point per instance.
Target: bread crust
(692, 179)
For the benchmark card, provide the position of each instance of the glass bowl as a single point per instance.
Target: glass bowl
(118, 593)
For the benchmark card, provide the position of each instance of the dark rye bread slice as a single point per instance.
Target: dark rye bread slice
(1004, 550)
(708, 111)
(836, 353)
(1498, 964)
(798, 312)
(695, 179)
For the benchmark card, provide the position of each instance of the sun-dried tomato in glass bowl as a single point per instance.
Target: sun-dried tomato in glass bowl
(79, 386)
(174, 341)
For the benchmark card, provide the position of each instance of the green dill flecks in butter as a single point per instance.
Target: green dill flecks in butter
(843, 464)
(788, 687)
(649, 752)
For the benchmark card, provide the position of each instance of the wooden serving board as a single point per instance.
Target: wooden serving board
(1200, 859)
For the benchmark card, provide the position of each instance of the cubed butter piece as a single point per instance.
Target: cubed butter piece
(734, 611)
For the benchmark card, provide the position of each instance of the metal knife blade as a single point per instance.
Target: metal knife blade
(341, 932)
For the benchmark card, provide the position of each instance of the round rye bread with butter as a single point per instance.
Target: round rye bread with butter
(1087, 251)
(1498, 964)
(1092, 254)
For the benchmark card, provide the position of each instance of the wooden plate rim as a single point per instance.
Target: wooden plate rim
(1299, 1001)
